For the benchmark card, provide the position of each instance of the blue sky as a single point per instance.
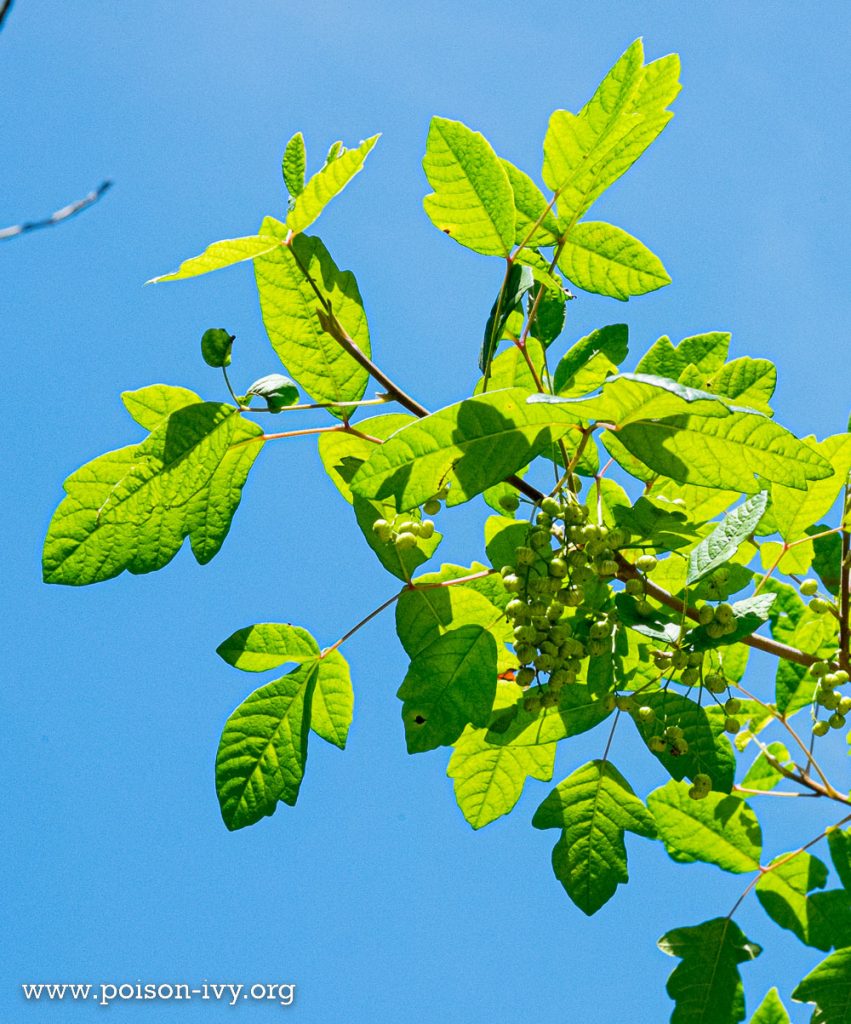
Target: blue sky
(372, 896)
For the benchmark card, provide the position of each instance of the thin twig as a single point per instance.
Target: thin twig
(4, 10)
(67, 211)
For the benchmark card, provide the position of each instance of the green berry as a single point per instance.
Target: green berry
(524, 556)
(551, 507)
(732, 725)
(405, 541)
(382, 529)
(634, 587)
(625, 703)
(690, 676)
(647, 715)
(698, 794)
(733, 706)
(841, 676)
(809, 588)
(432, 507)
(819, 669)
(657, 744)
(557, 568)
(426, 529)
(820, 728)
(724, 614)
(819, 606)
(646, 563)
(836, 721)
(706, 615)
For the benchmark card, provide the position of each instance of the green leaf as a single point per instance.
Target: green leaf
(659, 522)
(762, 774)
(748, 615)
(289, 307)
(426, 611)
(342, 453)
(552, 311)
(822, 920)
(293, 165)
(727, 452)
(401, 563)
(706, 986)
(594, 807)
(530, 206)
(223, 254)
(333, 701)
(489, 779)
(816, 635)
(839, 843)
(131, 509)
(216, 345)
(631, 398)
(827, 557)
(150, 405)
(795, 512)
(473, 201)
(585, 153)
(604, 259)
(586, 365)
(326, 184)
(719, 829)
(449, 684)
(267, 645)
(708, 751)
(725, 539)
(746, 381)
(576, 712)
(706, 352)
(509, 369)
(278, 391)
(829, 987)
(771, 1010)
(263, 749)
(471, 445)
(518, 281)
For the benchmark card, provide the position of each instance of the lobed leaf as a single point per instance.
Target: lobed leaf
(587, 364)
(771, 1010)
(707, 987)
(822, 919)
(473, 201)
(828, 986)
(530, 207)
(267, 645)
(133, 508)
(593, 807)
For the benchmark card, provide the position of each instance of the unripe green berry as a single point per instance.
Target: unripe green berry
(819, 606)
(426, 529)
(646, 563)
(732, 725)
(821, 728)
(836, 721)
(382, 529)
(644, 608)
(841, 676)
(525, 677)
(405, 541)
(647, 715)
(733, 706)
(809, 588)
(634, 587)
(557, 568)
(432, 506)
(625, 703)
(524, 556)
(690, 676)
(539, 539)
(706, 615)
(698, 794)
(724, 613)
(657, 744)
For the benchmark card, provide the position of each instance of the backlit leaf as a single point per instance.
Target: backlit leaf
(325, 184)
(604, 259)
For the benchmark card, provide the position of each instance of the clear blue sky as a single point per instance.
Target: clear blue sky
(373, 895)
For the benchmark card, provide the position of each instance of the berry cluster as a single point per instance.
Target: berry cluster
(829, 698)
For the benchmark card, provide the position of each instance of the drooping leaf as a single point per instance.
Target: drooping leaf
(449, 684)
(489, 779)
(576, 712)
(821, 919)
(293, 165)
(518, 281)
(267, 645)
(719, 829)
(585, 365)
(827, 558)
(289, 306)
(771, 1010)
(342, 453)
(473, 201)
(471, 446)
(277, 390)
(551, 313)
(762, 774)
(326, 184)
(133, 508)
(530, 207)
(216, 345)
(263, 748)
(828, 986)
(332, 707)
(708, 751)
(224, 254)
(725, 539)
(839, 843)
(401, 562)
(604, 259)
(729, 452)
(593, 807)
(706, 986)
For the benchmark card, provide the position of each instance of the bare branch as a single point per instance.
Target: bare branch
(5, 7)
(59, 215)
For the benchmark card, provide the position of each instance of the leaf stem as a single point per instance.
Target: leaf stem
(362, 623)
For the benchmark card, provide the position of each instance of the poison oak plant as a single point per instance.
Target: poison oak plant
(599, 604)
